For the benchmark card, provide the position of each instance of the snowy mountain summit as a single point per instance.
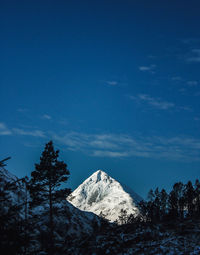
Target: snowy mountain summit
(103, 195)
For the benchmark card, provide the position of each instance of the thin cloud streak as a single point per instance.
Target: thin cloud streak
(112, 83)
(192, 83)
(177, 78)
(36, 133)
(150, 68)
(22, 110)
(179, 148)
(155, 102)
(158, 103)
(46, 116)
(194, 56)
(110, 154)
(4, 130)
(123, 146)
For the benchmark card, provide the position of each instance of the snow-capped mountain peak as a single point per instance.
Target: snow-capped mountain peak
(102, 194)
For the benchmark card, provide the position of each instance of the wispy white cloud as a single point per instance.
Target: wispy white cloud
(193, 56)
(112, 83)
(109, 154)
(190, 40)
(192, 83)
(122, 146)
(4, 130)
(177, 78)
(46, 116)
(150, 68)
(158, 103)
(151, 56)
(22, 110)
(155, 102)
(110, 145)
(180, 79)
(36, 133)
(185, 108)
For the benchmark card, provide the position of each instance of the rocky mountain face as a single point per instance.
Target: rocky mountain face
(103, 195)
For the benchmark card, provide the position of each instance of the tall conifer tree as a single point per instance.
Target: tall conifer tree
(189, 197)
(45, 181)
(197, 198)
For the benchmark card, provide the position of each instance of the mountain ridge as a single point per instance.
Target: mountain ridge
(103, 195)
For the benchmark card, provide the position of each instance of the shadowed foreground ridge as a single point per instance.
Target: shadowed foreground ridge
(82, 233)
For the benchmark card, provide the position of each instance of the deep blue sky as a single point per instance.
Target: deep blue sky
(115, 84)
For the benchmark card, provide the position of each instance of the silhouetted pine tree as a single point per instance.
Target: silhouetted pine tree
(197, 198)
(151, 196)
(150, 205)
(176, 201)
(157, 205)
(144, 210)
(45, 190)
(181, 199)
(189, 198)
(163, 203)
(173, 204)
(27, 226)
(178, 189)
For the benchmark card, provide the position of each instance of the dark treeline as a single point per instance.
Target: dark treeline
(183, 202)
(31, 211)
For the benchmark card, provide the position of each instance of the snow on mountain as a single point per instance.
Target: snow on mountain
(101, 194)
